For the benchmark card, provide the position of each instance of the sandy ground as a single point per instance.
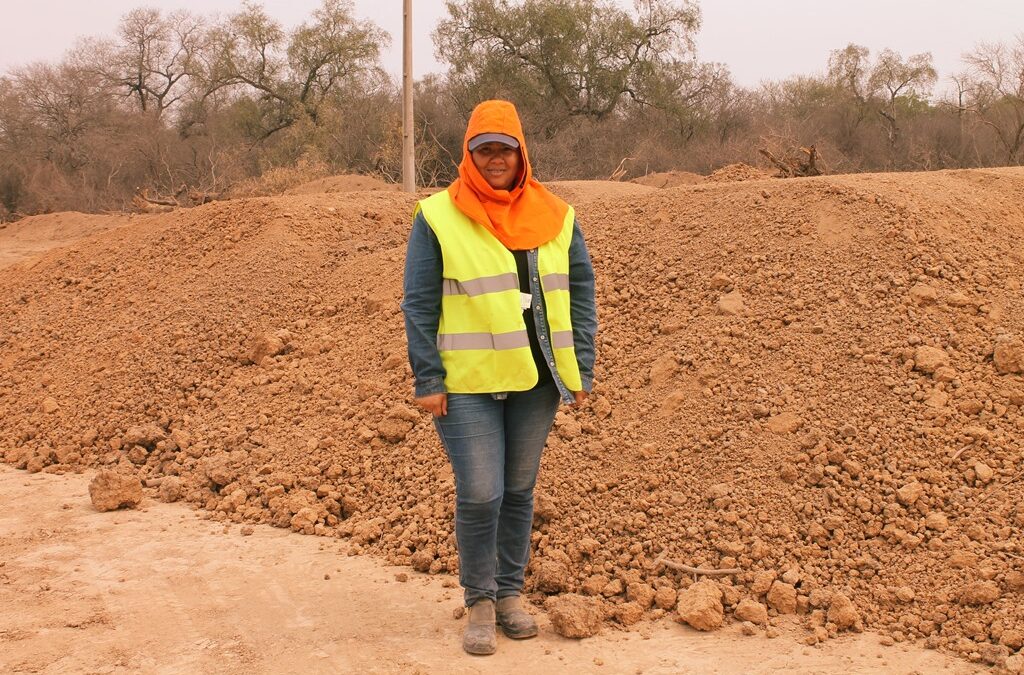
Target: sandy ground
(161, 590)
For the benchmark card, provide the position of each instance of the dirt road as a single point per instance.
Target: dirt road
(161, 590)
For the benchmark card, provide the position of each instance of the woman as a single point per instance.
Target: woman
(500, 320)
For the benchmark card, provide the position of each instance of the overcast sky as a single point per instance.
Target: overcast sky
(758, 40)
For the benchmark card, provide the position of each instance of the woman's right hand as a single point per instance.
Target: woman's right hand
(435, 404)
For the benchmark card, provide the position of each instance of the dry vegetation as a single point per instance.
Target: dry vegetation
(240, 105)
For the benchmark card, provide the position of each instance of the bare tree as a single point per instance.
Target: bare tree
(583, 56)
(153, 61)
(294, 75)
(849, 72)
(57, 106)
(893, 78)
(998, 92)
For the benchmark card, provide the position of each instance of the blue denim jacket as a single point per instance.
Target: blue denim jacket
(424, 269)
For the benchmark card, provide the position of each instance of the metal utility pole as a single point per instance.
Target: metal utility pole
(408, 137)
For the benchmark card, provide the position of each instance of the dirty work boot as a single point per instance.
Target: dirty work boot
(514, 620)
(479, 636)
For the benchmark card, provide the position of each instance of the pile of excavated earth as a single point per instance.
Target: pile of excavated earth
(810, 396)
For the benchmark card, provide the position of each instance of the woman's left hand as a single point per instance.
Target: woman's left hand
(580, 397)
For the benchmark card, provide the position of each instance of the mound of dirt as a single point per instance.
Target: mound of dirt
(669, 179)
(36, 234)
(343, 183)
(587, 191)
(771, 403)
(734, 173)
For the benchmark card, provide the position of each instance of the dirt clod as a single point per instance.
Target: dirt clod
(665, 598)
(110, 490)
(1008, 355)
(267, 344)
(843, 613)
(171, 489)
(782, 597)
(929, 359)
(574, 616)
(752, 611)
(700, 606)
(980, 593)
(552, 577)
(145, 435)
(731, 304)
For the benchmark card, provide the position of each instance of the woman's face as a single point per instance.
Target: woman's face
(498, 164)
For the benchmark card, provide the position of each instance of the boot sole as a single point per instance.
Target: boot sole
(480, 651)
(524, 635)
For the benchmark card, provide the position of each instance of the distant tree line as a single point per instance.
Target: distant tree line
(237, 105)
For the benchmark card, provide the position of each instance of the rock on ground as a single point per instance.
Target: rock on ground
(1008, 356)
(575, 616)
(552, 577)
(752, 611)
(170, 489)
(110, 490)
(782, 598)
(980, 593)
(700, 606)
(842, 612)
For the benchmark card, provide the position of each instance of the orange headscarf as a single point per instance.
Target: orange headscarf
(523, 217)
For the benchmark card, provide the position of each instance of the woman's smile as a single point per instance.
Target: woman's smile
(498, 164)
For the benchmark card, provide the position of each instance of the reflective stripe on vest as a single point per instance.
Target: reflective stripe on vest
(561, 339)
(481, 335)
(456, 341)
(555, 282)
(499, 282)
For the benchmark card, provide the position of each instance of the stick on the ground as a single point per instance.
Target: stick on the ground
(697, 571)
(957, 454)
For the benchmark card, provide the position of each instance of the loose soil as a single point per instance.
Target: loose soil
(738, 172)
(669, 179)
(343, 183)
(181, 593)
(816, 382)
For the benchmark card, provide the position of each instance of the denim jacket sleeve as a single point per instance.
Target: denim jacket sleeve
(421, 304)
(582, 306)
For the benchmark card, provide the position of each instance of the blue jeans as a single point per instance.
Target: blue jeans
(494, 447)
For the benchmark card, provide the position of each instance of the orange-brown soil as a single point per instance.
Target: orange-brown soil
(669, 179)
(180, 593)
(343, 183)
(814, 381)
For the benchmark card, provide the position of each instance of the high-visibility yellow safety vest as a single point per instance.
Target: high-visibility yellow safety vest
(481, 336)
